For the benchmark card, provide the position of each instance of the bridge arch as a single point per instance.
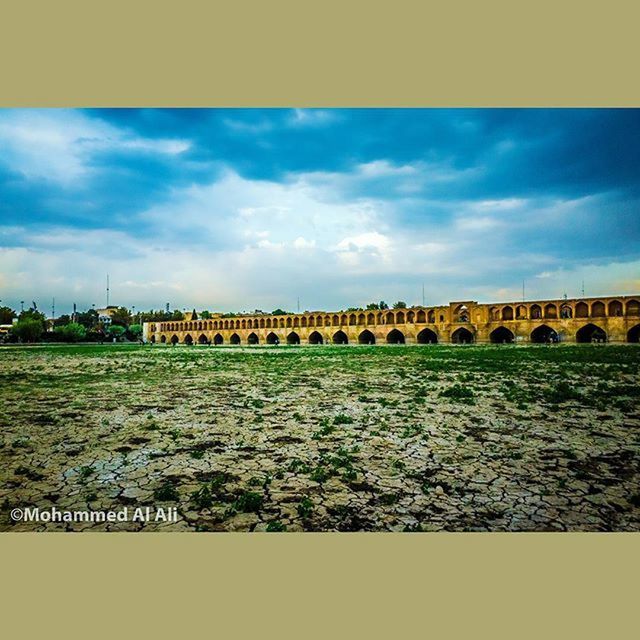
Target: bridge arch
(462, 336)
(272, 338)
(202, 339)
(426, 336)
(163, 339)
(591, 333)
(633, 335)
(366, 337)
(501, 335)
(174, 339)
(633, 308)
(507, 313)
(615, 308)
(293, 338)
(421, 317)
(395, 337)
(234, 339)
(315, 338)
(340, 337)
(535, 312)
(253, 338)
(218, 339)
(597, 309)
(188, 339)
(544, 334)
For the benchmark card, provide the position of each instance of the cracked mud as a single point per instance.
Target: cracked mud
(385, 438)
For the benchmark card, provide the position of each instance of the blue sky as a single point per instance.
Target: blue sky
(237, 209)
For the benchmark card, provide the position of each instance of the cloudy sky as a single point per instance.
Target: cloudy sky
(231, 209)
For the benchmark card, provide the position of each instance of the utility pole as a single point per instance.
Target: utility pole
(107, 289)
(583, 287)
(21, 306)
(53, 309)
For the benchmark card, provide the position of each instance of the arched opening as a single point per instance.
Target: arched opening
(272, 338)
(343, 320)
(410, 317)
(566, 311)
(521, 312)
(303, 321)
(494, 313)
(361, 318)
(252, 339)
(597, 309)
(395, 337)
(293, 338)
(335, 321)
(400, 317)
(366, 337)
(281, 323)
(462, 336)
(460, 313)
(352, 319)
(371, 319)
(174, 339)
(544, 334)
(426, 336)
(163, 339)
(431, 317)
(633, 308)
(218, 339)
(315, 338)
(153, 339)
(536, 312)
(296, 322)
(582, 310)
(501, 335)
(615, 308)
(243, 324)
(234, 339)
(633, 335)
(591, 333)
(261, 322)
(188, 339)
(312, 321)
(202, 339)
(421, 317)
(551, 311)
(389, 319)
(507, 313)
(340, 337)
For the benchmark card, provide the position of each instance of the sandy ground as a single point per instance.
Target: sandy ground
(385, 438)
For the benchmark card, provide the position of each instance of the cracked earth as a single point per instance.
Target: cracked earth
(385, 438)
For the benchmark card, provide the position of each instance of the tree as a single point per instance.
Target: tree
(205, 315)
(372, 306)
(28, 329)
(400, 305)
(279, 312)
(135, 330)
(383, 305)
(7, 314)
(72, 332)
(88, 319)
(116, 331)
(121, 316)
(34, 314)
(61, 321)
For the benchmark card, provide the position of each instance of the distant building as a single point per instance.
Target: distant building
(104, 314)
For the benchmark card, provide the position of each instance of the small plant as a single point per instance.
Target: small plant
(166, 493)
(305, 508)
(248, 502)
(202, 498)
(458, 392)
(276, 526)
(342, 418)
(85, 471)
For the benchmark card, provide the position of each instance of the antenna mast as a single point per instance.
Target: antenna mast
(107, 289)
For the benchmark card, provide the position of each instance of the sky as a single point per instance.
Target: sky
(243, 209)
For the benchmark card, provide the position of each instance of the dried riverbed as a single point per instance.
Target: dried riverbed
(385, 438)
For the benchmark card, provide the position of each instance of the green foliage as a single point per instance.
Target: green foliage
(248, 502)
(205, 315)
(458, 392)
(563, 392)
(202, 498)
(72, 332)
(343, 418)
(121, 316)
(7, 315)
(279, 312)
(305, 508)
(116, 331)
(166, 493)
(276, 526)
(28, 330)
(135, 330)
(400, 305)
(88, 319)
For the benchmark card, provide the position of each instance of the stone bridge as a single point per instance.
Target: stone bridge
(610, 319)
